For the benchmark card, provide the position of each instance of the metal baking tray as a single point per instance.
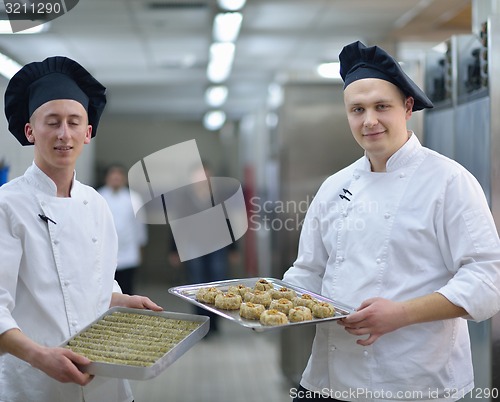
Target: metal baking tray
(144, 373)
(188, 292)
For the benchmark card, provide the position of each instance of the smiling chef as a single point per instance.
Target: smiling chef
(57, 240)
(423, 257)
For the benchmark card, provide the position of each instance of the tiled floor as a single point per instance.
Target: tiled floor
(236, 365)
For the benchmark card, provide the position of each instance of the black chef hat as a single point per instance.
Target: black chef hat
(358, 61)
(54, 78)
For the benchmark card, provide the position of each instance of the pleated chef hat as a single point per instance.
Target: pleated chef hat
(358, 61)
(54, 78)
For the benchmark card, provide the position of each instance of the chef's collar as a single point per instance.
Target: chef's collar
(401, 157)
(44, 183)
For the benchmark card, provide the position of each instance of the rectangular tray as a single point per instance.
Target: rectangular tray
(144, 373)
(188, 293)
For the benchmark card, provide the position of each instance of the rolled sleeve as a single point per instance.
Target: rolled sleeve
(116, 287)
(6, 321)
(11, 250)
(473, 248)
(476, 289)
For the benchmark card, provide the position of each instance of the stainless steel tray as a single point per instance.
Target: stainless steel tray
(188, 292)
(144, 373)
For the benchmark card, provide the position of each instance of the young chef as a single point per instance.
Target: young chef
(57, 241)
(426, 256)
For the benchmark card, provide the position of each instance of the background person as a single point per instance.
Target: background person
(427, 257)
(132, 234)
(58, 241)
(210, 267)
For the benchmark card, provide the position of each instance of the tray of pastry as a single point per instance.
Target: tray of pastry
(136, 344)
(262, 303)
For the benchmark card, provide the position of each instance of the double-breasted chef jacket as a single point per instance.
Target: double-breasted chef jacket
(58, 259)
(422, 226)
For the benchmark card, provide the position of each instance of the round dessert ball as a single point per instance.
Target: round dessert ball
(273, 317)
(305, 300)
(239, 290)
(228, 301)
(251, 311)
(207, 295)
(323, 310)
(263, 284)
(259, 297)
(284, 293)
(299, 313)
(283, 305)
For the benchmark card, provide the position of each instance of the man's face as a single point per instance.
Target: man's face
(116, 178)
(377, 112)
(58, 129)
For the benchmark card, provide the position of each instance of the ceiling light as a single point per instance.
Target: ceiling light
(214, 120)
(216, 96)
(231, 5)
(441, 47)
(8, 67)
(329, 70)
(6, 28)
(227, 27)
(221, 61)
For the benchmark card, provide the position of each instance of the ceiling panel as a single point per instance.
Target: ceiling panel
(282, 15)
(152, 54)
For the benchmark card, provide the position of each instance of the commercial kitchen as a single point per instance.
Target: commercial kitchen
(272, 119)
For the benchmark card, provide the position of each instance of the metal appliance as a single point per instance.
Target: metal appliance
(464, 83)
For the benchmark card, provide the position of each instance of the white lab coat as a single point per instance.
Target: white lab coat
(423, 226)
(55, 279)
(132, 233)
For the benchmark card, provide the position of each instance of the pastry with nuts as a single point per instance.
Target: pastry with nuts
(273, 317)
(251, 311)
(228, 301)
(283, 305)
(259, 297)
(299, 314)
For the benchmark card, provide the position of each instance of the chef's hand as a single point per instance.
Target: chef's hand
(58, 363)
(140, 302)
(375, 317)
(61, 364)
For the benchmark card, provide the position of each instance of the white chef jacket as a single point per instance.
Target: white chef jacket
(55, 279)
(132, 233)
(422, 226)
